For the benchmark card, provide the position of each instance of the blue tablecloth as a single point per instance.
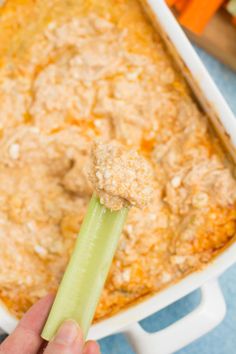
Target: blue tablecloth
(222, 340)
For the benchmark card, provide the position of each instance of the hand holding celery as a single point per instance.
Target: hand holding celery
(120, 178)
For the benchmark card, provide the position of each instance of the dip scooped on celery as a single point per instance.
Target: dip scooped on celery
(120, 178)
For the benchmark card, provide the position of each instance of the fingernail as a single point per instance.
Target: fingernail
(67, 333)
(92, 347)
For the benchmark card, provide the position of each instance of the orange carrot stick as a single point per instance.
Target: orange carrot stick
(234, 20)
(180, 5)
(170, 2)
(197, 14)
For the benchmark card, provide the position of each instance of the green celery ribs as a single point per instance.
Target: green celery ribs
(87, 270)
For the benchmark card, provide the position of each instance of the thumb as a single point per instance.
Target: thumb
(68, 340)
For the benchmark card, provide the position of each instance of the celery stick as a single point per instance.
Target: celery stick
(84, 278)
(231, 7)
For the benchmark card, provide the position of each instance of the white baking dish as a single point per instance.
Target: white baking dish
(212, 307)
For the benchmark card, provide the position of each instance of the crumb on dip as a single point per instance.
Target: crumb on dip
(120, 176)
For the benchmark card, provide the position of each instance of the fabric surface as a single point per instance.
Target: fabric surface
(222, 340)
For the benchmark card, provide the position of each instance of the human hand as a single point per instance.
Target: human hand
(26, 337)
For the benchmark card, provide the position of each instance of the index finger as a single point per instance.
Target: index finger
(26, 337)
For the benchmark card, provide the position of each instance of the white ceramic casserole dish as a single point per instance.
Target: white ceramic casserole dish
(212, 306)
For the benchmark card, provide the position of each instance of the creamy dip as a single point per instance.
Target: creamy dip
(75, 71)
(120, 176)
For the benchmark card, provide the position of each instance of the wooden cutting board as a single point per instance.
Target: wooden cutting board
(219, 39)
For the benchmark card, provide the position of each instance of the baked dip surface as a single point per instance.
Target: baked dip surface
(120, 177)
(73, 71)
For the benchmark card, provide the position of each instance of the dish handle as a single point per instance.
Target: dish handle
(209, 313)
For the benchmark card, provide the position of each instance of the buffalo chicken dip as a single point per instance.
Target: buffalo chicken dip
(74, 72)
(120, 177)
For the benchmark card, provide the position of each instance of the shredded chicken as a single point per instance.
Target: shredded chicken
(120, 177)
(72, 72)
